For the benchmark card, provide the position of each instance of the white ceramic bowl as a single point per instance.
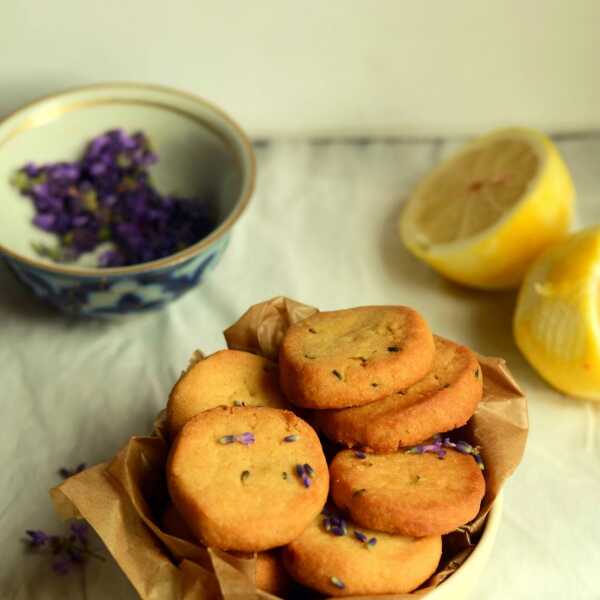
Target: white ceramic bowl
(462, 582)
(202, 152)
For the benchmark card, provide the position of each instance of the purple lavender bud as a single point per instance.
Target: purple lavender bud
(80, 530)
(306, 480)
(372, 542)
(441, 453)
(299, 470)
(45, 221)
(309, 470)
(337, 582)
(37, 537)
(339, 531)
(291, 438)
(360, 454)
(245, 438)
(479, 461)
(360, 536)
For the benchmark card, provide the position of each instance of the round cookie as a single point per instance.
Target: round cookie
(352, 357)
(409, 494)
(227, 377)
(443, 400)
(351, 564)
(247, 478)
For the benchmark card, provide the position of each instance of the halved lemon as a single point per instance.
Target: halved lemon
(557, 321)
(482, 216)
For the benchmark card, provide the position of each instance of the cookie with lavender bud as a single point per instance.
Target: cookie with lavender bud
(428, 490)
(353, 357)
(247, 478)
(228, 378)
(443, 400)
(338, 558)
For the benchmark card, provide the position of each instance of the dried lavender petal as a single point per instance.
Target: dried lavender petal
(360, 536)
(337, 582)
(306, 480)
(291, 438)
(245, 438)
(299, 470)
(360, 454)
(372, 542)
(309, 470)
(108, 195)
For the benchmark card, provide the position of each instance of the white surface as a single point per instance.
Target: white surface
(364, 66)
(321, 229)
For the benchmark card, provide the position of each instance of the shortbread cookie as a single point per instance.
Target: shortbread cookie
(443, 400)
(229, 378)
(247, 478)
(409, 494)
(338, 558)
(353, 357)
(271, 575)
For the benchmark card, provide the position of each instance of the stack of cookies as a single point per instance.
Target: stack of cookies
(248, 474)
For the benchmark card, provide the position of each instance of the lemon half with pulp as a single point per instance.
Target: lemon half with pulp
(482, 216)
(557, 321)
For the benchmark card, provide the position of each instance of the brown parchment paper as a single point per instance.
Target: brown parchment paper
(123, 498)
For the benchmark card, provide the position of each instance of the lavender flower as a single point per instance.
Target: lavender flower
(68, 550)
(108, 195)
(304, 476)
(245, 438)
(361, 537)
(438, 447)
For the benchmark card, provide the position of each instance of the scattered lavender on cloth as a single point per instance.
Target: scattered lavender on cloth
(67, 551)
(108, 196)
(438, 447)
(245, 438)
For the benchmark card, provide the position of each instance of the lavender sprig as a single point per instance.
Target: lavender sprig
(69, 550)
(245, 438)
(438, 447)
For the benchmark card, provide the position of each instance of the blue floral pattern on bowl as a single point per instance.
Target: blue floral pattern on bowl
(118, 294)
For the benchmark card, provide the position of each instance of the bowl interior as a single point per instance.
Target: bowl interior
(200, 153)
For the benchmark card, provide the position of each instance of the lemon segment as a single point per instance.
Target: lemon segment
(556, 323)
(482, 216)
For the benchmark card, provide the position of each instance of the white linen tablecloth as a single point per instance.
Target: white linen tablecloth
(321, 228)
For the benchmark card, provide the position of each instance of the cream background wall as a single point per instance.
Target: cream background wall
(283, 67)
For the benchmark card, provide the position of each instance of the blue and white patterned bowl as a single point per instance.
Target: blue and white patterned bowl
(202, 153)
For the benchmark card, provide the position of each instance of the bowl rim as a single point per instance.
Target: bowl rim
(479, 554)
(173, 259)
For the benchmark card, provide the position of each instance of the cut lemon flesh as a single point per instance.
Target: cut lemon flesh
(556, 324)
(482, 216)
